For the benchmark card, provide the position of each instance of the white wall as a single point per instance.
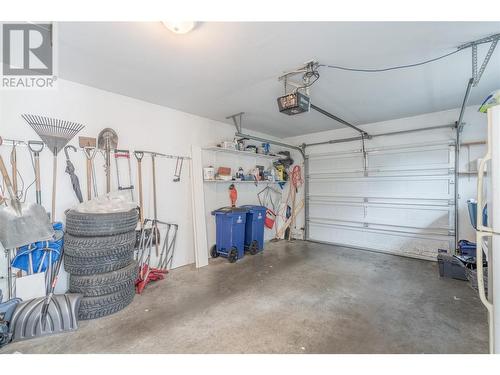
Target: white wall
(475, 130)
(140, 126)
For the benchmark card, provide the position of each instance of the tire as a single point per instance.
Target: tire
(213, 251)
(254, 248)
(97, 307)
(97, 255)
(99, 265)
(106, 283)
(233, 255)
(96, 225)
(94, 247)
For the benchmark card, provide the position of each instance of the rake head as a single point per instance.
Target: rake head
(54, 133)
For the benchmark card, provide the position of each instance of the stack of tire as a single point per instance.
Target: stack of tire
(99, 257)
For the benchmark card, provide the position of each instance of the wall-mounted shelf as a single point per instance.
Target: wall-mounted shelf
(242, 153)
(242, 182)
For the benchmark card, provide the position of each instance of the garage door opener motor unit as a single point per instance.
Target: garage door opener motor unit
(295, 102)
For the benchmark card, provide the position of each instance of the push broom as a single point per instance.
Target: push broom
(55, 134)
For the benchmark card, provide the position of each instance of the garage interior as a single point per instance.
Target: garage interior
(251, 187)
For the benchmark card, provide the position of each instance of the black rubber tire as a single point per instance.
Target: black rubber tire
(233, 255)
(94, 247)
(213, 251)
(97, 307)
(95, 225)
(254, 248)
(106, 283)
(97, 255)
(94, 266)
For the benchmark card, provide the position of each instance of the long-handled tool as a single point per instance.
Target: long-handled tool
(14, 170)
(155, 208)
(107, 141)
(48, 299)
(295, 183)
(298, 207)
(20, 224)
(35, 148)
(89, 146)
(10, 286)
(55, 134)
(124, 154)
(167, 252)
(139, 155)
(70, 169)
(13, 162)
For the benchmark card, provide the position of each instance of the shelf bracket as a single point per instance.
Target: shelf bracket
(237, 119)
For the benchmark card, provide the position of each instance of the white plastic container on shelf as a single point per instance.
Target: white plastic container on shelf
(209, 173)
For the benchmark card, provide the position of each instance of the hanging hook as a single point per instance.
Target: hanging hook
(66, 150)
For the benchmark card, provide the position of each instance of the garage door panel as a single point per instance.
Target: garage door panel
(337, 164)
(423, 217)
(424, 246)
(338, 211)
(421, 159)
(411, 187)
(418, 217)
(402, 203)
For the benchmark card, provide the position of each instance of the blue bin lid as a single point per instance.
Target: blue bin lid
(229, 211)
(251, 207)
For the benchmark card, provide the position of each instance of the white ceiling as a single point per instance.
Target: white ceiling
(224, 68)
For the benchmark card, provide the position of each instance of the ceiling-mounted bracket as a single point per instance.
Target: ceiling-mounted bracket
(237, 119)
(476, 75)
(304, 71)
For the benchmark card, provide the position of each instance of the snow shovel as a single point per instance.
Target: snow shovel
(21, 223)
(61, 316)
(46, 315)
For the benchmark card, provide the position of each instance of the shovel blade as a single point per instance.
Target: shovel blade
(23, 224)
(61, 316)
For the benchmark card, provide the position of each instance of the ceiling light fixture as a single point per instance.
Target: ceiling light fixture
(179, 27)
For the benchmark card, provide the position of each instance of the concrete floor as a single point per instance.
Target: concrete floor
(297, 297)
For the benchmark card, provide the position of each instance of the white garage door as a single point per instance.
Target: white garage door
(397, 199)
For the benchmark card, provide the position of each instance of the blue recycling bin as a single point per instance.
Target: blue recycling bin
(472, 206)
(230, 233)
(254, 228)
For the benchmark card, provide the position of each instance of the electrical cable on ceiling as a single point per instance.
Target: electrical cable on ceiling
(390, 68)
